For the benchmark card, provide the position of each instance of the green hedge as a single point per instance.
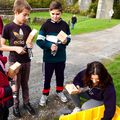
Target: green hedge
(6, 3)
(116, 10)
(92, 9)
(39, 3)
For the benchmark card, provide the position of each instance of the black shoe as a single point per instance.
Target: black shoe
(29, 108)
(16, 112)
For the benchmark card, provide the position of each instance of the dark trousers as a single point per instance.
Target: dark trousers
(4, 113)
(48, 69)
(22, 79)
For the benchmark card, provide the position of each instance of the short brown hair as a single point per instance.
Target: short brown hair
(55, 5)
(19, 5)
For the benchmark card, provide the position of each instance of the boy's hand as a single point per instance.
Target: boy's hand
(20, 50)
(64, 42)
(14, 88)
(54, 47)
(29, 45)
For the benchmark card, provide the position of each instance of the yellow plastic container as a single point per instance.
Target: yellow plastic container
(90, 114)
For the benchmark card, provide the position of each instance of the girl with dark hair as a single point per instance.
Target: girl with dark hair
(95, 84)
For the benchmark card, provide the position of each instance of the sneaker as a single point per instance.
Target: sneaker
(16, 112)
(29, 108)
(76, 109)
(43, 100)
(62, 97)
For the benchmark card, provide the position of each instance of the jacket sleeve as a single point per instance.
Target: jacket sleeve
(2, 92)
(41, 42)
(5, 89)
(5, 92)
(8, 91)
(109, 102)
(1, 26)
(68, 35)
(78, 80)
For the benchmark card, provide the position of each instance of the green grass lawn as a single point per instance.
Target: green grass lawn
(84, 24)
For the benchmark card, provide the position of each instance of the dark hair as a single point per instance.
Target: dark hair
(97, 68)
(20, 5)
(55, 5)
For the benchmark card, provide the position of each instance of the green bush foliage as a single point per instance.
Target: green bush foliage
(116, 9)
(38, 21)
(83, 13)
(6, 3)
(72, 8)
(92, 9)
(33, 3)
(39, 3)
(75, 1)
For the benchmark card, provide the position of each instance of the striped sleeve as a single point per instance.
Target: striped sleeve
(41, 39)
(68, 35)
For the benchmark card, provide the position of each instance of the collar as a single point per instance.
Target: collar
(57, 21)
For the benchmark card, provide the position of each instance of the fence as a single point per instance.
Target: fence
(9, 11)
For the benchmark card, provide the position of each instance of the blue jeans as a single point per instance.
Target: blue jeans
(72, 25)
(90, 103)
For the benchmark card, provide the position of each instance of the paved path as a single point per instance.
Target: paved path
(83, 49)
(86, 48)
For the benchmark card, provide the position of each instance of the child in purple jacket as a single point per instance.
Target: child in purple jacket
(95, 84)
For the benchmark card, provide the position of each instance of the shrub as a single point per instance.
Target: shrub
(6, 3)
(116, 11)
(39, 21)
(72, 9)
(39, 3)
(83, 13)
(75, 1)
(92, 10)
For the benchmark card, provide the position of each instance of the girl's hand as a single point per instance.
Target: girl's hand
(78, 87)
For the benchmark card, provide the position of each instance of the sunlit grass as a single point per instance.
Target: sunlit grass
(83, 25)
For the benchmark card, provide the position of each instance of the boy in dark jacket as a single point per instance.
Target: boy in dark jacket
(73, 21)
(54, 52)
